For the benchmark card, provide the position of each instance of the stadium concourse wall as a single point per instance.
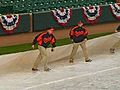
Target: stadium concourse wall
(43, 20)
(32, 24)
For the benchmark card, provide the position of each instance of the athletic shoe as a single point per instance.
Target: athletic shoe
(112, 50)
(89, 60)
(33, 69)
(47, 69)
(71, 61)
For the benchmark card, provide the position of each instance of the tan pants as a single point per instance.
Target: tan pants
(116, 45)
(75, 48)
(41, 57)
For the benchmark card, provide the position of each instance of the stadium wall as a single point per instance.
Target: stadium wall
(40, 21)
(24, 25)
(43, 20)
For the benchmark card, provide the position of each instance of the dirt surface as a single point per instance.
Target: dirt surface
(59, 34)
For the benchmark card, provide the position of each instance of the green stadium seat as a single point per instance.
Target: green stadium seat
(46, 5)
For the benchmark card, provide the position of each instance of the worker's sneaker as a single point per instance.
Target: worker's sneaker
(89, 60)
(33, 69)
(47, 69)
(71, 61)
(112, 50)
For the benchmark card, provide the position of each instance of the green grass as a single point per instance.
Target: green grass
(27, 46)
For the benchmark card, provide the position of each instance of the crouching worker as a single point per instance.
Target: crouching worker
(43, 40)
(117, 44)
(78, 35)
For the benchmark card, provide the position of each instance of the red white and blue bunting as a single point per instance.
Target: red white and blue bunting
(115, 9)
(10, 22)
(92, 13)
(62, 16)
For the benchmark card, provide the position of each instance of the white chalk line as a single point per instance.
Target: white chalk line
(70, 78)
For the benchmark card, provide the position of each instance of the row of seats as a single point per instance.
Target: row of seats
(46, 5)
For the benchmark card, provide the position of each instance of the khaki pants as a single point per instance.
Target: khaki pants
(42, 56)
(116, 45)
(75, 48)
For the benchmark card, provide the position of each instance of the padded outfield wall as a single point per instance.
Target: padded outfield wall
(23, 26)
(44, 20)
(41, 21)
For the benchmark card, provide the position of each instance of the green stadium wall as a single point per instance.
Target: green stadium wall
(24, 25)
(45, 20)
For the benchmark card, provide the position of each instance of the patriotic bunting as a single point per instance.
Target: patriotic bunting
(62, 16)
(92, 13)
(115, 9)
(10, 22)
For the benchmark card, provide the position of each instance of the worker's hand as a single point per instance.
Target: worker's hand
(52, 49)
(33, 46)
(71, 40)
(85, 39)
(116, 31)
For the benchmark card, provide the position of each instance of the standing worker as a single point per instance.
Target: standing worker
(78, 35)
(117, 44)
(43, 40)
